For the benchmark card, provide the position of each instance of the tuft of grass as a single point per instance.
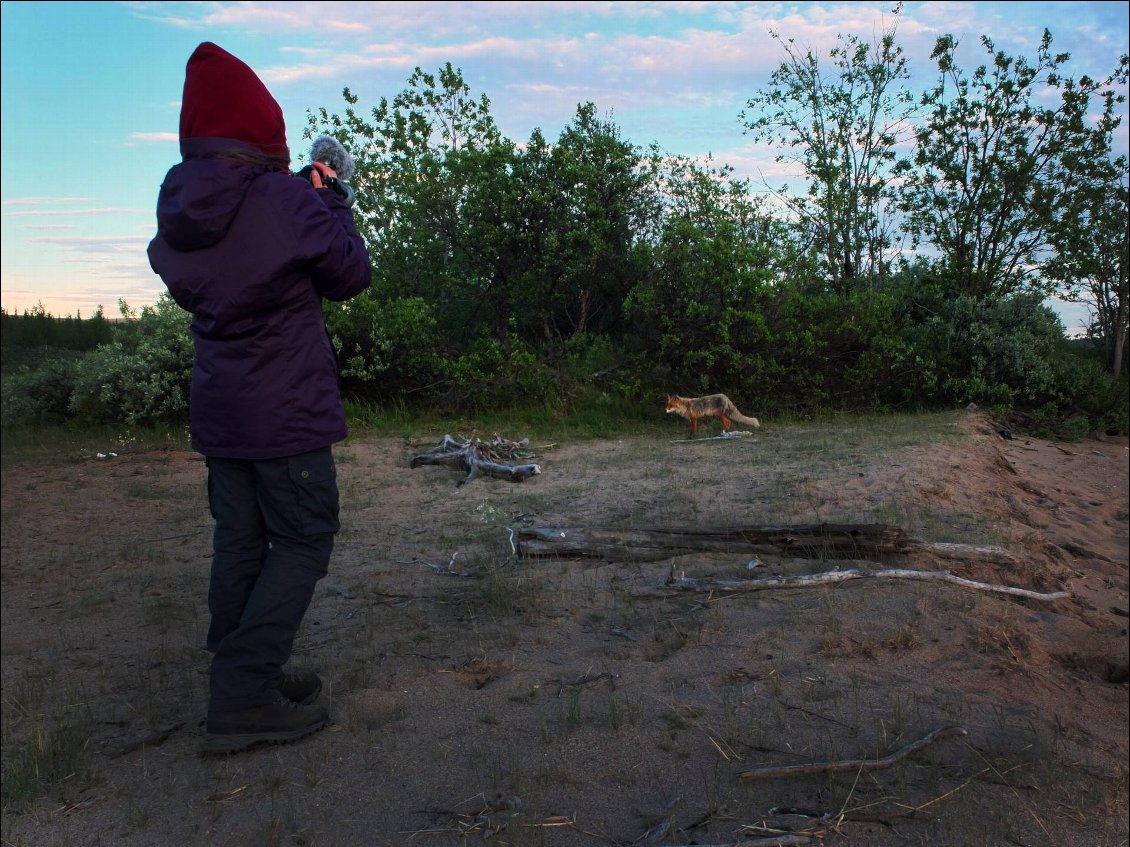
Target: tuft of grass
(44, 740)
(623, 711)
(503, 595)
(572, 714)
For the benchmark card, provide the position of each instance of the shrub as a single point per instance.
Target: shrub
(385, 349)
(144, 375)
(991, 351)
(40, 394)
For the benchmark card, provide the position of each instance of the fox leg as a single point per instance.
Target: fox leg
(726, 423)
(694, 426)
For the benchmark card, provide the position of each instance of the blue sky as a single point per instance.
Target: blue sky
(91, 92)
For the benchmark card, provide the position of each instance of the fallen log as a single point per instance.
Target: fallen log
(686, 583)
(814, 540)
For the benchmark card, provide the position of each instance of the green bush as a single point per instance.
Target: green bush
(385, 349)
(144, 375)
(1086, 392)
(990, 352)
(40, 394)
(492, 374)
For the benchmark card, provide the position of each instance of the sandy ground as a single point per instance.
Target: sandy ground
(478, 695)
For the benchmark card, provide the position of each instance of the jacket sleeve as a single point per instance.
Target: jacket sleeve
(327, 244)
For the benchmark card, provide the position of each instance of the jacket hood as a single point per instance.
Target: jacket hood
(199, 200)
(223, 98)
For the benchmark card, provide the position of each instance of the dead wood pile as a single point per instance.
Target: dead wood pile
(494, 458)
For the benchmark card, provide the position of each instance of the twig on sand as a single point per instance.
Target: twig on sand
(152, 739)
(854, 764)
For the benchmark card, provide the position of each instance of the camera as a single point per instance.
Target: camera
(330, 152)
(339, 187)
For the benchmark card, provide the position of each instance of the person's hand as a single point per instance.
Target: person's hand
(321, 172)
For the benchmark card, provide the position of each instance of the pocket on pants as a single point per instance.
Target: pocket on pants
(314, 477)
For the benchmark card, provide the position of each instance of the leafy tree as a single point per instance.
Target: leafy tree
(1091, 235)
(417, 156)
(511, 244)
(717, 257)
(987, 181)
(593, 186)
(842, 127)
(1091, 262)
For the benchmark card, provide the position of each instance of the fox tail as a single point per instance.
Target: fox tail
(738, 416)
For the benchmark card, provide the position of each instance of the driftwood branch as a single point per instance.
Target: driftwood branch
(831, 577)
(854, 764)
(493, 458)
(732, 435)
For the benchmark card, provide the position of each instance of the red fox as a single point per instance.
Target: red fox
(711, 406)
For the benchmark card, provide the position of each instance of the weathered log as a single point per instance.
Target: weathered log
(831, 577)
(805, 540)
(814, 540)
(455, 460)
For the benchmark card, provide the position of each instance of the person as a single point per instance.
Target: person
(251, 250)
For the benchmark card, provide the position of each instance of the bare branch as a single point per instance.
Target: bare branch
(854, 764)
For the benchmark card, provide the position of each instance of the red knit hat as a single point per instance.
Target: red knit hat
(223, 98)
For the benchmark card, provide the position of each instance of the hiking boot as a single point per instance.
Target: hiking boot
(274, 723)
(301, 687)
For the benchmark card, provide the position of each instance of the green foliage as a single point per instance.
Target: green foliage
(992, 166)
(989, 351)
(40, 393)
(491, 261)
(1090, 240)
(492, 374)
(842, 128)
(562, 276)
(385, 348)
(1088, 399)
(143, 376)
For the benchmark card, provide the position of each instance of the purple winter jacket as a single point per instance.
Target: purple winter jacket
(250, 253)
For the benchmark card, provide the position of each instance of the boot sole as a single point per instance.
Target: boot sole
(237, 742)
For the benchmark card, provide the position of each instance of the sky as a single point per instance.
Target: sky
(91, 93)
